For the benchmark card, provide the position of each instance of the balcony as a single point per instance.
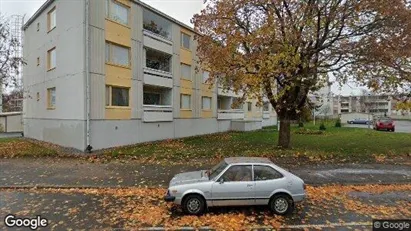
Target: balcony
(232, 114)
(229, 93)
(157, 70)
(157, 113)
(157, 32)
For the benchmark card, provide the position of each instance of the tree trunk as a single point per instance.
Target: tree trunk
(284, 137)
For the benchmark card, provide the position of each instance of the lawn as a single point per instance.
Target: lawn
(19, 147)
(337, 144)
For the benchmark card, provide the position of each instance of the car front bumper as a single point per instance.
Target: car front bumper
(169, 198)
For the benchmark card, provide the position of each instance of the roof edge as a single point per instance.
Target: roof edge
(144, 5)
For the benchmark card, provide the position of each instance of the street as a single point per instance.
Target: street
(327, 207)
(400, 126)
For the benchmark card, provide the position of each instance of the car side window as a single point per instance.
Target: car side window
(265, 173)
(238, 173)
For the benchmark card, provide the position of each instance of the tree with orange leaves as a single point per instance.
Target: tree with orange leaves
(280, 50)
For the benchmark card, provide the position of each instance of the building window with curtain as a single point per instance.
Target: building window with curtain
(185, 101)
(117, 96)
(206, 103)
(117, 12)
(118, 55)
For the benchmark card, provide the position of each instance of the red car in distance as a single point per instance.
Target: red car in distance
(384, 124)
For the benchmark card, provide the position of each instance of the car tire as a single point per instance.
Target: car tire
(393, 130)
(281, 204)
(193, 205)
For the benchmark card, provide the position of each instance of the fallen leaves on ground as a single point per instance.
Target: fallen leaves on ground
(144, 207)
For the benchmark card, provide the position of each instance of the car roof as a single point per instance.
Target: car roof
(239, 160)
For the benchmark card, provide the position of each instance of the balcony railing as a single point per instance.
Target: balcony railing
(158, 78)
(157, 113)
(158, 37)
(233, 114)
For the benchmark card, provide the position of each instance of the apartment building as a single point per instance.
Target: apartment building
(105, 73)
(375, 104)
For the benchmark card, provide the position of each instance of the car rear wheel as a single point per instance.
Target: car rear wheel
(281, 204)
(194, 205)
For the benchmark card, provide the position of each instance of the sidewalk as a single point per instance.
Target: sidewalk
(70, 172)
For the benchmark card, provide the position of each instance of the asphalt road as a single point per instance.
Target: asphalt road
(400, 126)
(79, 210)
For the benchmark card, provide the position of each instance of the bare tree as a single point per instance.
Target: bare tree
(9, 63)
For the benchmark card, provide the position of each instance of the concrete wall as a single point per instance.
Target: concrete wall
(112, 133)
(65, 124)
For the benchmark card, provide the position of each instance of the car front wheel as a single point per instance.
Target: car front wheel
(281, 204)
(193, 205)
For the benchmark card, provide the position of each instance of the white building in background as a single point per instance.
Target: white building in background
(105, 73)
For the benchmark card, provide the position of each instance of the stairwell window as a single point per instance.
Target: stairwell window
(118, 55)
(51, 98)
(117, 96)
(250, 106)
(51, 59)
(51, 19)
(117, 12)
(185, 101)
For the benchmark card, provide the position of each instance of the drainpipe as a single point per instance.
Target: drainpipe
(87, 69)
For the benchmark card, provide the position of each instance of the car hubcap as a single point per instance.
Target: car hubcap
(281, 205)
(193, 205)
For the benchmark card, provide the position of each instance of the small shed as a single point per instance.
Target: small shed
(11, 122)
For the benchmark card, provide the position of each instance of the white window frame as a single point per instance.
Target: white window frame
(206, 76)
(182, 74)
(110, 14)
(181, 102)
(51, 59)
(109, 96)
(182, 40)
(202, 103)
(109, 54)
(51, 19)
(51, 98)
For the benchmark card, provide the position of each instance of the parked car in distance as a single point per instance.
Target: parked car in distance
(359, 121)
(384, 124)
(237, 181)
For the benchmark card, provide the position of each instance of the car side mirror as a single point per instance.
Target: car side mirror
(221, 180)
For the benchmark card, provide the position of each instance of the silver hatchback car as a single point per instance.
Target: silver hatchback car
(237, 181)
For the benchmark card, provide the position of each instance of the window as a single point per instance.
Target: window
(51, 58)
(266, 106)
(237, 104)
(185, 40)
(51, 19)
(117, 54)
(250, 106)
(51, 98)
(216, 170)
(117, 96)
(185, 101)
(206, 103)
(185, 71)
(206, 76)
(265, 173)
(150, 98)
(238, 173)
(38, 61)
(117, 12)
(38, 26)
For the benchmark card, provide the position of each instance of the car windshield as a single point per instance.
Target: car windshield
(217, 169)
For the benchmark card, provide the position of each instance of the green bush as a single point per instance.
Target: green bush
(300, 124)
(322, 127)
(338, 123)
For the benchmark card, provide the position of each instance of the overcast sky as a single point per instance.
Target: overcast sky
(182, 10)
